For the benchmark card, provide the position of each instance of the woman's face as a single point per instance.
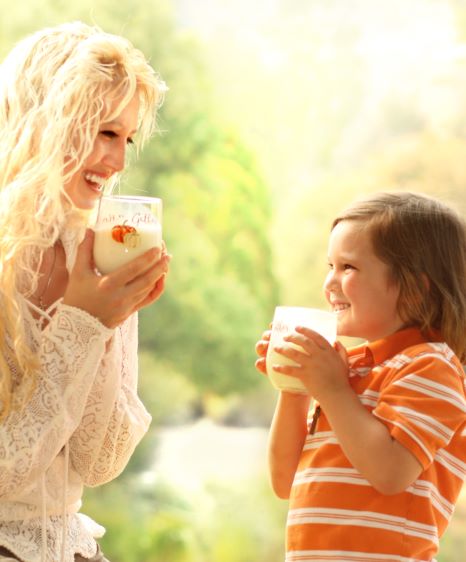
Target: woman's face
(106, 159)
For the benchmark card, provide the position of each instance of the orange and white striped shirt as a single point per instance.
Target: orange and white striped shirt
(418, 390)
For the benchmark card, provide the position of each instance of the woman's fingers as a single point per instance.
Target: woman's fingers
(135, 268)
(154, 294)
(146, 281)
(114, 297)
(141, 280)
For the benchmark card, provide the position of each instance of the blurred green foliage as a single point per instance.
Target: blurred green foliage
(273, 122)
(231, 524)
(453, 544)
(217, 213)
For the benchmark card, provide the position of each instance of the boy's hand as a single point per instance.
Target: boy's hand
(261, 349)
(322, 368)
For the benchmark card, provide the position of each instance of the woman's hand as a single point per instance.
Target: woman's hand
(321, 367)
(114, 297)
(261, 349)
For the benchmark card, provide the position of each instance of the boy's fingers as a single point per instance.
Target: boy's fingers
(341, 351)
(261, 347)
(260, 366)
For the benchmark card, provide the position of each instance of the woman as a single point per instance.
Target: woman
(72, 98)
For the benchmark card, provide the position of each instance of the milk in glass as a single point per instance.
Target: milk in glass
(125, 228)
(110, 254)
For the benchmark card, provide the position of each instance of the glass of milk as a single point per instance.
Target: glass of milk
(285, 319)
(125, 228)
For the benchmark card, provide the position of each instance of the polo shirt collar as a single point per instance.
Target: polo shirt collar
(376, 352)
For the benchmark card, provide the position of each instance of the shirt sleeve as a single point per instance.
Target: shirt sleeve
(70, 349)
(423, 404)
(114, 419)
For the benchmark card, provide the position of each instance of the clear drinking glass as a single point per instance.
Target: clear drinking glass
(285, 319)
(125, 228)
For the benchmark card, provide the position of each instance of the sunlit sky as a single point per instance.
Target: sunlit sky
(404, 50)
(423, 35)
(398, 43)
(419, 48)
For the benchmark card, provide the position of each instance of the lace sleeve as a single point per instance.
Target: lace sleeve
(114, 419)
(69, 349)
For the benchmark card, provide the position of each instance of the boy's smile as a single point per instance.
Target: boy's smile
(359, 286)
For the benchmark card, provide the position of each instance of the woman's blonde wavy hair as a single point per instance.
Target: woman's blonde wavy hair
(56, 87)
(423, 241)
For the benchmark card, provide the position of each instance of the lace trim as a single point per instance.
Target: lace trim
(23, 538)
(85, 399)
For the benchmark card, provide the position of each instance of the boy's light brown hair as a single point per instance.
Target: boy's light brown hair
(423, 241)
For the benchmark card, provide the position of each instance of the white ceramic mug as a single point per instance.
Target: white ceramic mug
(285, 319)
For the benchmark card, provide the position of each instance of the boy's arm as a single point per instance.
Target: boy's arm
(286, 439)
(366, 441)
(388, 465)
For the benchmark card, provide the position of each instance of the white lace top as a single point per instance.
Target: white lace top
(79, 428)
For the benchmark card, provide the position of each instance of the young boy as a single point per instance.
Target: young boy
(375, 474)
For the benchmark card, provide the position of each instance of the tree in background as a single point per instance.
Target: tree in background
(331, 118)
(217, 210)
(221, 290)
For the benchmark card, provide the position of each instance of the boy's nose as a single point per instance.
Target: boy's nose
(330, 281)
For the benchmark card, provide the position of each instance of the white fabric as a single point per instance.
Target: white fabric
(85, 401)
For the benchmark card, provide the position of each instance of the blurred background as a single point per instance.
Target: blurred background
(279, 113)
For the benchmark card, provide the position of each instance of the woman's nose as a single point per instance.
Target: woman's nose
(116, 157)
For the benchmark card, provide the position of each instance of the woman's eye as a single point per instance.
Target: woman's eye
(109, 134)
(347, 266)
(113, 135)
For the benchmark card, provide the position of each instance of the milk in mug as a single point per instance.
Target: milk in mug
(116, 245)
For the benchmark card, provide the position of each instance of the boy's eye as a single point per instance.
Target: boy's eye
(344, 266)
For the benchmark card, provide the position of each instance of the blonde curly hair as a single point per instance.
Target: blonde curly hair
(56, 87)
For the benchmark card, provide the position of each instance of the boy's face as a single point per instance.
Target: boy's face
(359, 286)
